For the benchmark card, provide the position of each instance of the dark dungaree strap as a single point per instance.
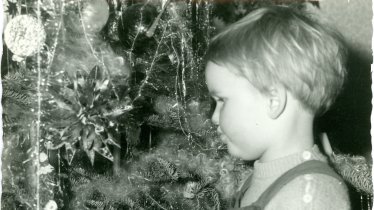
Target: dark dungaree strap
(308, 167)
(239, 195)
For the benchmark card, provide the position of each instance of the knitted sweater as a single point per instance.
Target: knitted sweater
(307, 192)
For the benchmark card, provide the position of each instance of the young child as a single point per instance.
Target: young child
(270, 74)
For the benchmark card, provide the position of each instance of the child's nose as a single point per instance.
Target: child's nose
(215, 117)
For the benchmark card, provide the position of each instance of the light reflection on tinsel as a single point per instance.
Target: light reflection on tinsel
(38, 137)
(151, 30)
(190, 57)
(369, 201)
(90, 36)
(149, 70)
(137, 34)
(52, 50)
(177, 88)
(366, 202)
(86, 34)
(185, 62)
(43, 66)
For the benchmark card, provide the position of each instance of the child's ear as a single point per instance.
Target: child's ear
(277, 100)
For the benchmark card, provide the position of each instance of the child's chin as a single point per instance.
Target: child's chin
(233, 151)
(238, 154)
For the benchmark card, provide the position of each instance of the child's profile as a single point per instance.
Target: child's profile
(271, 74)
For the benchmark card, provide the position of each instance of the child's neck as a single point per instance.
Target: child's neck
(293, 133)
(285, 150)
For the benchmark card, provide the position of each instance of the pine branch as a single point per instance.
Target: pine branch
(161, 170)
(19, 82)
(95, 204)
(355, 170)
(13, 96)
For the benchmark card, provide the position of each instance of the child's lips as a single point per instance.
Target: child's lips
(223, 138)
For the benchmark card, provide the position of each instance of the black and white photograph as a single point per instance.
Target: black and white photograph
(186, 104)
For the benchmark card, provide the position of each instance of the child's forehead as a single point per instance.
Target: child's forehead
(220, 79)
(219, 71)
(226, 67)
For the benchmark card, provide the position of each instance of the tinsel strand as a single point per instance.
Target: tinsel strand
(39, 116)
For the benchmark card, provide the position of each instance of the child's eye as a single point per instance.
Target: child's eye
(221, 99)
(218, 99)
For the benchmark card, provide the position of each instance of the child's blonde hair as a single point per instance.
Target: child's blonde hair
(281, 45)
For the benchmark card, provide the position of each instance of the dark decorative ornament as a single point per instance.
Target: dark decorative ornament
(133, 27)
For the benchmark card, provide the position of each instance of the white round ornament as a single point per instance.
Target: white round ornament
(24, 35)
(51, 205)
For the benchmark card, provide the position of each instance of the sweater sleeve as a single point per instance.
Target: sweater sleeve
(311, 192)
